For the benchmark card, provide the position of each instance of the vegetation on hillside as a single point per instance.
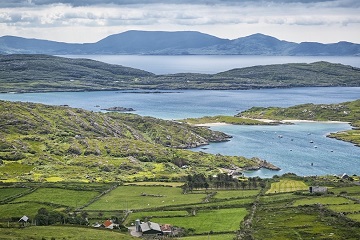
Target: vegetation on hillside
(346, 112)
(58, 143)
(43, 73)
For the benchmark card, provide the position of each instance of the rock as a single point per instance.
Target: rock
(118, 109)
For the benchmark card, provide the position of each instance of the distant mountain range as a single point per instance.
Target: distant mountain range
(178, 43)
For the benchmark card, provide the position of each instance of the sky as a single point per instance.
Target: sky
(86, 21)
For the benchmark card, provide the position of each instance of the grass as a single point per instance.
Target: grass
(349, 190)
(300, 223)
(59, 196)
(143, 215)
(144, 197)
(348, 208)
(355, 217)
(228, 194)
(222, 220)
(60, 232)
(171, 184)
(211, 237)
(21, 209)
(327, 200)
(287, 185)
(8, 192)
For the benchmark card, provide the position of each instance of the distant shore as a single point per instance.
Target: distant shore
(214, 124)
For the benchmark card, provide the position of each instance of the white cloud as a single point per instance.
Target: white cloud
(110, 16)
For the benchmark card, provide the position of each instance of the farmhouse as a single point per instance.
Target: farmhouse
(317, 189)
(152, 228)
(109, 224)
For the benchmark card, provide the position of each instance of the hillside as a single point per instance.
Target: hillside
(41, 73)
(40, 143)
(178, 43)
(346, 112)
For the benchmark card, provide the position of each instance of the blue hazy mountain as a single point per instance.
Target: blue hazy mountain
(178, 43)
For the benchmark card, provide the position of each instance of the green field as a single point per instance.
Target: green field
(21, 209)
(300, 223)
(347, 208)
(222, 220)
(287, 185)
(349, 190)
(227, 194)
(144, 197)
(59, 196)
(142, 215)
(211, 237)
(355, 217)
(327, 200)
(8, 192)
(170, 184)
(60, 232)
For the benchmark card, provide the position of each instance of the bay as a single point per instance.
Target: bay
(209, 64)
(329, 157)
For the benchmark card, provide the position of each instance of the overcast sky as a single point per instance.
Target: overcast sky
(325, 21)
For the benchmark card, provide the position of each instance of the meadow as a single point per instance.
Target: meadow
(287, 185)
(60, 232)
(206, 221)
(58, 196)
(144, 197)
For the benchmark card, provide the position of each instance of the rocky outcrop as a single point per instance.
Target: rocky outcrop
(118, 109)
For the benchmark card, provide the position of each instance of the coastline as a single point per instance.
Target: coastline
(214, 124)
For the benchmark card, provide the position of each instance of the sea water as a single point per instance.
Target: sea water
(293, 152)
(211, 64)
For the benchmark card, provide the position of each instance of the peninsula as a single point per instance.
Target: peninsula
(30, 73)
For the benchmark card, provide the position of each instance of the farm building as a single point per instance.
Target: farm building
(24, 219)
(151, 228)
(109, 224)
(317, 189)
(166, 229)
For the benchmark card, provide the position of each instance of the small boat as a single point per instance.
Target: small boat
(311, 141)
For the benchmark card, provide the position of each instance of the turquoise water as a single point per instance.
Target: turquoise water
(292, 153)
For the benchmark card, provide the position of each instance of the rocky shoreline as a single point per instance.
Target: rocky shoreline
(118, 109)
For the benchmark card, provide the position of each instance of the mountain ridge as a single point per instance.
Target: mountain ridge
(178, 43)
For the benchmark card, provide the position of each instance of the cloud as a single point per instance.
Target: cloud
(111, 16)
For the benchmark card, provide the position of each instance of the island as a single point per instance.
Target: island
(118, 109)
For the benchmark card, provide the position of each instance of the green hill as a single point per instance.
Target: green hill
(346, 112)
(40, 142)
(42, 73)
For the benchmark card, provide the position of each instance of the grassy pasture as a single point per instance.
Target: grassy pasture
(279, 197)
(349, 190)
(287, 185)
(348, 208)
(20, 209)
(326, 200)
(211, 237)
(59, 196)
(144, 197)
(221, 220)
(9, 192)
(171, 184)
(299, 223)
(60, 232)
(227, 194)
(355, 217)
(158, 214)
